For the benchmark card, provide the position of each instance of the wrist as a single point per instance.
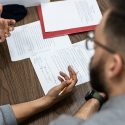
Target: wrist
(94, 103)
(93, 94)
(40, 104)
(89, 108)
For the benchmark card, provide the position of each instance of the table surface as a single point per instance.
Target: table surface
(19, 83)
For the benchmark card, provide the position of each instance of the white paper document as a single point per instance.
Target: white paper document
(70, 14)
(27, 40)
(27, 3)
(48, 65)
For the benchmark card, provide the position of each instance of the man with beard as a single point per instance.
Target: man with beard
(107, 73)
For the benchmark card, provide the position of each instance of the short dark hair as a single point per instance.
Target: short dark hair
(118, 4)
(115, 28)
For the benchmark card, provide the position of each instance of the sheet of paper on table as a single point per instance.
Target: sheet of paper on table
(27, 40)
(27, 3)
(62, 15)
(48, 65)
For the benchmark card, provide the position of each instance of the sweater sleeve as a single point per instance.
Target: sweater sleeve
(7, 116)
(67, 120)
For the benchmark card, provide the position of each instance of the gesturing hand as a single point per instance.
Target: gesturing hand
(6, 25)
(67, 84)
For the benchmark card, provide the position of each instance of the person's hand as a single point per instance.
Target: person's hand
(67, 84)
(25, 110)
(6, 26)
(89, 108)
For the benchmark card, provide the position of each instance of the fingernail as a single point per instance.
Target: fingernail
(10, 29)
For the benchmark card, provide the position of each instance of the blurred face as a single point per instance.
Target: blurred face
(98, 77)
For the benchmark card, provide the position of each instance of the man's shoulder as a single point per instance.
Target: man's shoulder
(67, 120)
(104, 117)
(107, 117)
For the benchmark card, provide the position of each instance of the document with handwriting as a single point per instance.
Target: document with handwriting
(27, 40)
(62, 15)
(27, 3)
(48, 65)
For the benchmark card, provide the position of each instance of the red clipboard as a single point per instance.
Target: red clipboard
(61, 32)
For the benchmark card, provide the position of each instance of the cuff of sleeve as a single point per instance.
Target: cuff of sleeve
(67, 120)
(8, 115)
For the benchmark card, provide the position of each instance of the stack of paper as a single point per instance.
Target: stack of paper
(66, 17)
(27, 40)
(26, 3)
(48, 65)
(50, 56)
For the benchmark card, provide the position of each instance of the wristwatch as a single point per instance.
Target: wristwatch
(94, 94)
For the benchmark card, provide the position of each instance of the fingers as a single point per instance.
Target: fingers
(72, 84)
(7, 35)
(2, 36)
(72, 73)
(60, 79)
(65, 76)
(11, 28)
(73, 79)
(6, 26)
(62, 86)
(68, 83)
(2, 39)
(12, 22)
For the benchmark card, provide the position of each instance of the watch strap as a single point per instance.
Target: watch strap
(94, 94)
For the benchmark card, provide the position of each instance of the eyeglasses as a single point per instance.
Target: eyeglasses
(90, 43)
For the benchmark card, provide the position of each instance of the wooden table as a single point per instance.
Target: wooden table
(19, 83)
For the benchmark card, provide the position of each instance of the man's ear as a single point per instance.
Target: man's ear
(115, 66)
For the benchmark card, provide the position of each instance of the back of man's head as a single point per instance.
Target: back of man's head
(115, 26)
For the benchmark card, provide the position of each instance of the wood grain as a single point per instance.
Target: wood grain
(19, 83)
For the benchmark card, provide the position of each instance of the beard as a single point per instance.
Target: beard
(97, 76)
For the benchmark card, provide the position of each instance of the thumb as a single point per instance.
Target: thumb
(60, 87)
(57, 89)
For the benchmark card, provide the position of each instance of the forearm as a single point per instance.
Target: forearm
(25, 110)
(88, 109)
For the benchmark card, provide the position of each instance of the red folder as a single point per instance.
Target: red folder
(61, 32)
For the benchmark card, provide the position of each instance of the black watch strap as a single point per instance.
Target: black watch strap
(94, 94)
